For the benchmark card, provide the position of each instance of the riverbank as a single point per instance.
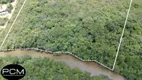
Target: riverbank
(91, 67)
(58, 53)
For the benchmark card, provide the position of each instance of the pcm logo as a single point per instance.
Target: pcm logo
(13, 72)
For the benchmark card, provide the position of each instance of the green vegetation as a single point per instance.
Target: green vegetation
(130, 57)
(9, 8)
(46, 69)
(88, 28)
(77, 26)
(5, 1)
(3, 21)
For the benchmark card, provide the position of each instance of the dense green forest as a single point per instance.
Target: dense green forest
(130, 57)
(88, 28)
(46, 69)
(78, 26)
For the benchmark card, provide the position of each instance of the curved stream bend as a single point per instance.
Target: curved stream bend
(91, 67)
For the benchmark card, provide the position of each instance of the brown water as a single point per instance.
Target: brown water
(91, 67)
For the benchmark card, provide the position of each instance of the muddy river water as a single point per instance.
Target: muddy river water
(91, 67)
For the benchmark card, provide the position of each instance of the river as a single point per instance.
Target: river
(91, 67)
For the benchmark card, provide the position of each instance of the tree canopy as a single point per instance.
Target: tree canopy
(46, 69)
(90, 29)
